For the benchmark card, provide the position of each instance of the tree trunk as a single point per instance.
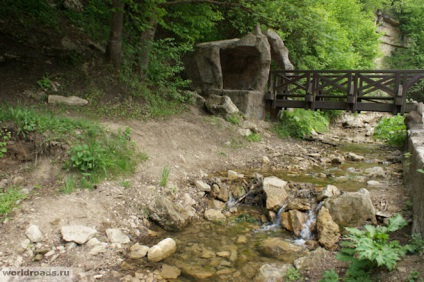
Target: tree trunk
(114, 46)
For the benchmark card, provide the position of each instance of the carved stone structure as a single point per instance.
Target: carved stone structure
(237, 68)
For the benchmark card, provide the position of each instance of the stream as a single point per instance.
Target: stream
(233, 250)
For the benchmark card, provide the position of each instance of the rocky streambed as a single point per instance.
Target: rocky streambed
(285, 212)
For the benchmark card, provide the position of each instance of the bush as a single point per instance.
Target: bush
(300, 123)
(391, 130)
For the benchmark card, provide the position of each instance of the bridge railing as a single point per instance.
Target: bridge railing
(351, 90)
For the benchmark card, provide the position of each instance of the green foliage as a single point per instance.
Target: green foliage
(9, 199)
(245, 218)
(45, 83)
(29, 12)
(94, 19)
(191, 23)
(300, 123)
(26, 121)
(417, 244)
(162, 88)
(293, 275)
(254, 137)
(164, 176)
(86, 158)
(413, 276)
(391, 130)
(69, 185)
(4, 137)
(420, 170)
(95, 152)
(342, 37)
(371, 248)
(411, 17)
(234, 119)
(330, 276)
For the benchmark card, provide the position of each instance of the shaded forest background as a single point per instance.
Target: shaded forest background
(132, 50)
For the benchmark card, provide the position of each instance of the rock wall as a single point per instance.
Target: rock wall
(391, 36)
(413, 177)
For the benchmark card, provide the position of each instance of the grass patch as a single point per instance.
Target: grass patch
(9, 200)
(69, 185)
(164, 177)
(254, 137)
(95, 152)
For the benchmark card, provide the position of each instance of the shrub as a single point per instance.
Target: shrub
(300, 123)
(391, 130)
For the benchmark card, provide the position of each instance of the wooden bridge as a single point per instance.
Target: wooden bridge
(350, 90)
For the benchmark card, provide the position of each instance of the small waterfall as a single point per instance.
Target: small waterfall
(276, 224)
(306, 233)
(277, 219)
(231, 201)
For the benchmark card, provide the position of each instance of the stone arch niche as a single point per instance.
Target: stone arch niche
(238, 68)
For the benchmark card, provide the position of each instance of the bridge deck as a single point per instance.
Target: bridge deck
(350, 90)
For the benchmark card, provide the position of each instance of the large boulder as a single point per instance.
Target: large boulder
(351, 209)
(276, 193)
(294, 221)
(272, 272)
(313, 259)
(169, 214)
(328, 230)
(281, 249)
(221, 105)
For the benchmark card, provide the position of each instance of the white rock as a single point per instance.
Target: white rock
(93, 242)
(202, 186)
(72, 100)
(34, 234)
(232, 175)
(169, 246)
(377, 172)
(274, 182)
(138, 251)
(275, 190)
(155, 254)
(49, 253)
(354, 157)
(188, 200)
(328, 192)
(374, 183)
(245, 132)
(77, 233)
(98, 249)
(117, 236)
